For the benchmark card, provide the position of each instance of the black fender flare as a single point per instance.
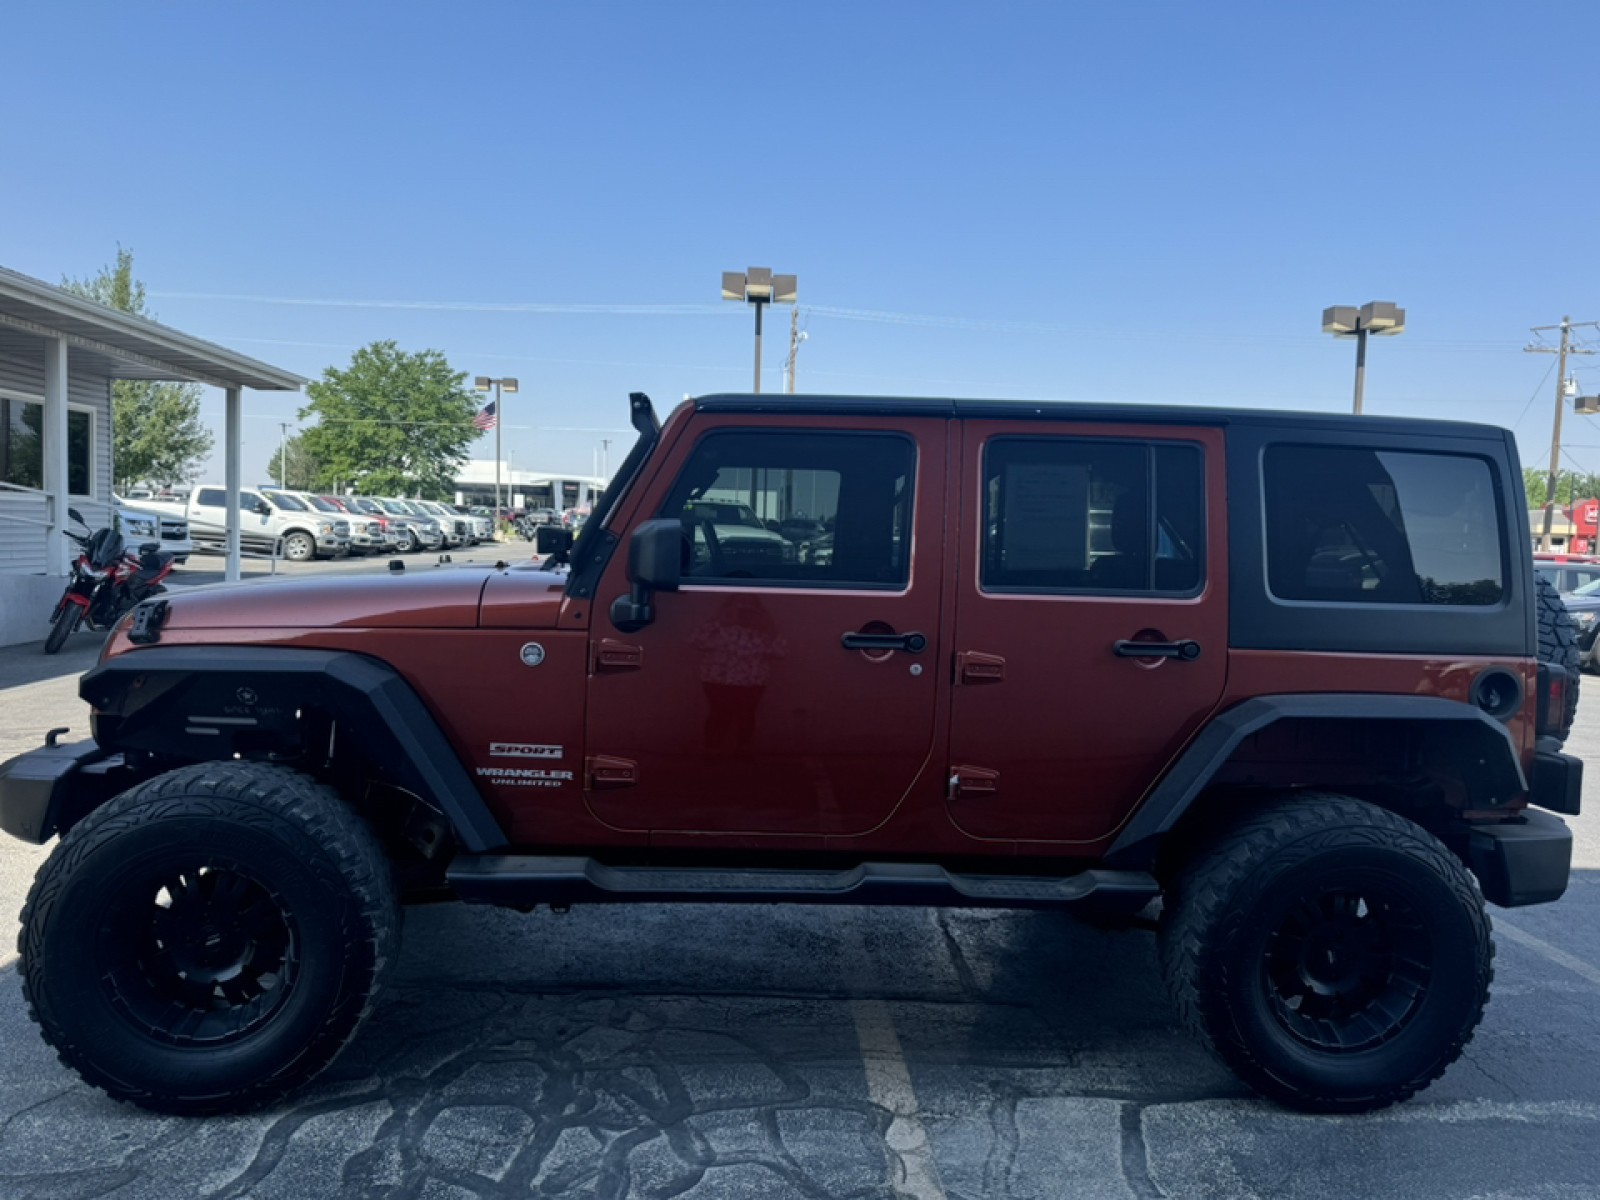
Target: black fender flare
(219, 694)
(1496, 766)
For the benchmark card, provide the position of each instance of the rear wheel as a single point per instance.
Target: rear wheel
(61, 628)
(1334, 955)
(210, 939)
(1558, 644)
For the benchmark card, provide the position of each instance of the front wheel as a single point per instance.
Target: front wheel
(1336, 956)
(299, 547)
(210, 939)
(66, 620)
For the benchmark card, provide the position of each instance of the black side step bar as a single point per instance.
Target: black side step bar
(521, 881)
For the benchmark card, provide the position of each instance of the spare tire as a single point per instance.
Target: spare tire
(1558, 646)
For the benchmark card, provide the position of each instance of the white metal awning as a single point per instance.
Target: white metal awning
(41, 322)
(123, 346)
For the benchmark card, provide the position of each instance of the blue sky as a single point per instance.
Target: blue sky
(1066, 201)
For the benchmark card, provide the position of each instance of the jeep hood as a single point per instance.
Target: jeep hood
(437, 600)
(445, 599)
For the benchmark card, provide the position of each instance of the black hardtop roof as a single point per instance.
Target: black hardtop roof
(1154, 414)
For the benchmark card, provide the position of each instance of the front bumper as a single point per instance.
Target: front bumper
(333, 545)
(1523, 863)
(48, 789)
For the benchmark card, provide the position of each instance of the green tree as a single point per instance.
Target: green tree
(391, 422)
(304, 474)
(1570, 486)
(157, 435)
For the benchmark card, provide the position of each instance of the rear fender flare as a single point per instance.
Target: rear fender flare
(1497, 767)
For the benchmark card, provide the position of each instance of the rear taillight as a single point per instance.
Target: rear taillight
(1552, 699)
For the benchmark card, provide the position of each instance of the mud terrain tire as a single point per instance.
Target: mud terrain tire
(1334, 955)
(210, 939)
(1558, 644)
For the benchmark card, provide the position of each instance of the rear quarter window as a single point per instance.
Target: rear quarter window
(1355, 525)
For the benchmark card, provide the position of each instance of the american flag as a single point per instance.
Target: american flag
(487, 418)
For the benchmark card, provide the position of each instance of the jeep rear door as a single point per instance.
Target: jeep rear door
(1091, 621)
(768, 695)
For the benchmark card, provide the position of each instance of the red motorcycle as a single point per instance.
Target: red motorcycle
(107, 580)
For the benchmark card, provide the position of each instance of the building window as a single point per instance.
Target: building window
(21, 459)
(1352, 525)
(80, 452)
(21, 444)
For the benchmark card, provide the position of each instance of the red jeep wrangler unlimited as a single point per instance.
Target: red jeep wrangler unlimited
(1289, 675)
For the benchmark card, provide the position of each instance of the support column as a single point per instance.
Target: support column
(230, 478)
(54, 452)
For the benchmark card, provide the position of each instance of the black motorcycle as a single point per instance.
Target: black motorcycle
(107, 580)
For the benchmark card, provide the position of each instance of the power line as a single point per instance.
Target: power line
(835, 312)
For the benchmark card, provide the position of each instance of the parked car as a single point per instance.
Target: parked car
(142, 525)
(367, 535)
(264, 525)
(1288, 678)
(1584, 605)
(458, 528)
(1568, 572)
(381, 534)
(482, 525)
(421, 532)
(731, 532)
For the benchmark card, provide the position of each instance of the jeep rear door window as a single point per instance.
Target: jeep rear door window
(1081, 515)
(1352, 525)
(794, 508)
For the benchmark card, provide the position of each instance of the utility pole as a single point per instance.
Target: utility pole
(795, 338)
(605, 446)
(283, 455)
(1566, 327)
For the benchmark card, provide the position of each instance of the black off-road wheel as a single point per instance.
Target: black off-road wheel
(62, 626)
(1558, 645)
(1334, 955)
(210, 939)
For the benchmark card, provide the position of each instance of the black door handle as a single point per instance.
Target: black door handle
(1184, 651)
(911, 643)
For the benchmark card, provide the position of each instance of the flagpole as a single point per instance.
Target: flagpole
(498, 421)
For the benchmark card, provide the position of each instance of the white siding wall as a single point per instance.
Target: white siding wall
(22, 546)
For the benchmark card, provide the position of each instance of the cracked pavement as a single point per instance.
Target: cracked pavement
(706, 1051)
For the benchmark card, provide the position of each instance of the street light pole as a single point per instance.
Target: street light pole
(1376, 316)
(758, 286)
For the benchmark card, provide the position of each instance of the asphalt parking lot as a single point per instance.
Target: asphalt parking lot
(789, 1052)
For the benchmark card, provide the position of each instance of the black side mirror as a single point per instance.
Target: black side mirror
(655, 564)
(552, 539)
(263, 508)
(76, 516)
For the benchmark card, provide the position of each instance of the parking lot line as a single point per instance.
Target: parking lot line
(889, 1087)
(1555, 954)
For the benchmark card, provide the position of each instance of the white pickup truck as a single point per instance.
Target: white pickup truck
(142, 523)
(283, 524)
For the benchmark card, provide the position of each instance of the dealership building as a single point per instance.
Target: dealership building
(474, 484)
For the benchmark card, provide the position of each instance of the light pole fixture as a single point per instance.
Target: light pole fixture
(758, 286)
(1376, 316)
(483, 383)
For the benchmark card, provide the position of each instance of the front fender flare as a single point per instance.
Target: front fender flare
(136, 697)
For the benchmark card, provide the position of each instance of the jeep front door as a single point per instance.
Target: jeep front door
(789, 686)
(1091, 622)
